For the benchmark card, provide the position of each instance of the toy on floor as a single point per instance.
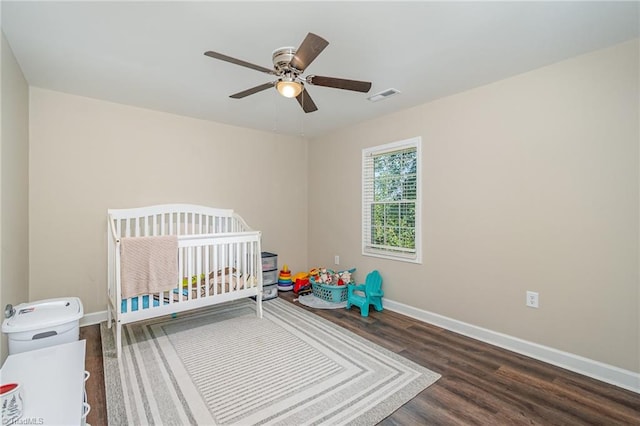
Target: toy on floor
(302, 286)
(299, 276)
(331, 277)
(314, 273)
(344, 277)
(285, 283)
(282, 287)
(285, 275)
(300, 281)
(369, 293)
(306, 290)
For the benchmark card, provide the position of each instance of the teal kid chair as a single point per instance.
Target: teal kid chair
(369, 293)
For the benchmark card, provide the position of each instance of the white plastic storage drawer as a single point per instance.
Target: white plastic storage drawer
(269, 292)
(43, 323)
(270, 277)
(269, 261)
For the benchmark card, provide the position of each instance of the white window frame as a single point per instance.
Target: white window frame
(367, 200)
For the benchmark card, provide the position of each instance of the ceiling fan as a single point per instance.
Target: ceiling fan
(288, 66)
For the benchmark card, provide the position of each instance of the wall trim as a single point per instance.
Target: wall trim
(93, 318)
(620, 377)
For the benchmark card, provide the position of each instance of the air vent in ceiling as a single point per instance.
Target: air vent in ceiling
(383, 95)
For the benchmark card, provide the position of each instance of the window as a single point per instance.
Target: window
(391, 201)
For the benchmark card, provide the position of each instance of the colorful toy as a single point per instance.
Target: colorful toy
(300, 276)
(305, 290)
(344, 277)
(301, 285)
(194, 280)
(314, 273)
(285, 276)
(285, 287)
(326, 276)
(331, 277)
(300, 282)
(330, 285)
(284, 279)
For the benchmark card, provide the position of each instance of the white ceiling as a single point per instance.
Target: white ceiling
(150, 54)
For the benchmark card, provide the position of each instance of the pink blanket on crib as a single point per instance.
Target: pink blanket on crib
(148, 264)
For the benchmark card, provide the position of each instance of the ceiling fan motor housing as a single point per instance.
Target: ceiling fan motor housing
(282, 57)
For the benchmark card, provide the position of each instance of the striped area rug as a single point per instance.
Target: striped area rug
(223, 365)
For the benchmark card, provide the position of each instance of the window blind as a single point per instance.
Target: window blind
(390, 200)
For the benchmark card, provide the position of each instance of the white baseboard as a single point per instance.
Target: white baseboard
(93, 318)
(604, 372)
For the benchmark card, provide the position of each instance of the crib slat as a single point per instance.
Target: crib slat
(238, 260)
(207, 279)
(225, 264)
(245, 267)
(256, 265)
(199, 271)
(189, 270)
(215, 269)
(180, 274)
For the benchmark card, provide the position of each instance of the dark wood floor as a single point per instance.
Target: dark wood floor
(481, 384)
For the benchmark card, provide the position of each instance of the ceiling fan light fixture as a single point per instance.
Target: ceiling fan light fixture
(289, 89)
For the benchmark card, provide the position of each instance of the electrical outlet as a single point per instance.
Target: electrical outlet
(336, 259)
(532, 299)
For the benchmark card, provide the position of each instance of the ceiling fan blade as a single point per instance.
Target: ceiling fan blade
(310, 48)
(253, 90)
(242, 63)
(305, 101)
(339, 83)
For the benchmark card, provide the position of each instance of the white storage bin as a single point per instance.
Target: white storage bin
(270, 277)
(270, 292)
(269, 261)
(43, 323)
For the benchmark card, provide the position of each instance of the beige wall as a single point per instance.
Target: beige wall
(89, 155)
(530, 183)
(14, 188)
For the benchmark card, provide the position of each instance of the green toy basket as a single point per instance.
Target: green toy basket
(330, 293)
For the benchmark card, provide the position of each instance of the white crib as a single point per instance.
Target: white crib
(219, 260)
